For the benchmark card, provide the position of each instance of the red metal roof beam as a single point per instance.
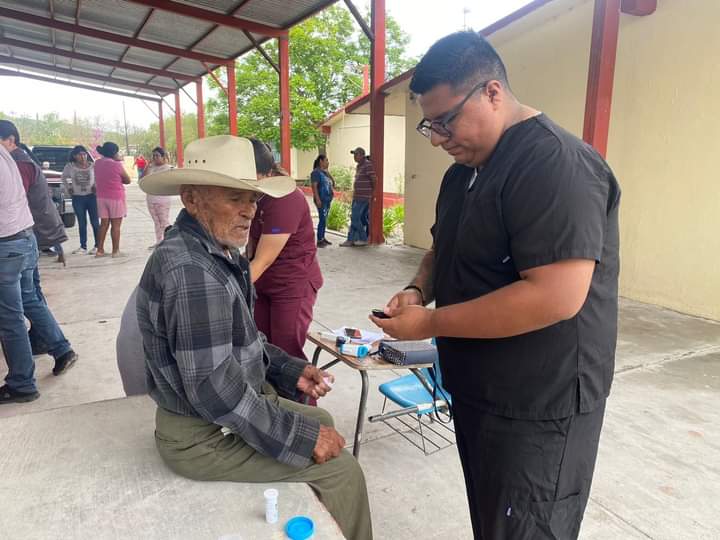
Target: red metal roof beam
(601, 72)
(33, 76)
(109, 36)
(215, 78)
(75, 73)
(359, 19)
(262, 51)
(284, 57)
(377, 118)
(95, 59)
(213, 17)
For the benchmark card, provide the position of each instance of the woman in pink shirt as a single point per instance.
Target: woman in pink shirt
(110, 180)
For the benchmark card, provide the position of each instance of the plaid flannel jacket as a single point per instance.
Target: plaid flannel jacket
(204, 355)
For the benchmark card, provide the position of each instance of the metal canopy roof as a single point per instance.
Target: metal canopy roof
(145, 48)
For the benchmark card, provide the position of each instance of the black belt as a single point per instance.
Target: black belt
(18, 235)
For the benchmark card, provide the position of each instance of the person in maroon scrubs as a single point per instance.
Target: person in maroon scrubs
(283, 262)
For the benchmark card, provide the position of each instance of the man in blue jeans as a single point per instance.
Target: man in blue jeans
(362, 195)
(19, 297)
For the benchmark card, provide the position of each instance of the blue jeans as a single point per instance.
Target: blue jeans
(81, 205)
(322, 219)
(359, 221)
(20, 299)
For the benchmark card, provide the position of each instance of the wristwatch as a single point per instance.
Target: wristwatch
(419, 290)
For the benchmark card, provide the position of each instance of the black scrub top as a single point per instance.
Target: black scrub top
(543, 196)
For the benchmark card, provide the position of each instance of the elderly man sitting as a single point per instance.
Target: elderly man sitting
(208, 366)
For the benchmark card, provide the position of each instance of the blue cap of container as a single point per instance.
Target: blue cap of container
(300, 528)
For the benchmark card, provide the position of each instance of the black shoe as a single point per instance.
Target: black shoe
(65, 362)
(326, 242)
(8, 395)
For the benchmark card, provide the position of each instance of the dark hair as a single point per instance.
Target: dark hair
(7, 128)
(264, 160)
(159, 150)
(460, 59)
(318, 159)
(108, 149)
(79, 149)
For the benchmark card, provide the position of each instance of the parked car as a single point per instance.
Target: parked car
(62, 200)
(56, 156)
(53, 160)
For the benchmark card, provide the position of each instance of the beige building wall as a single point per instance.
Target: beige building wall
(301, 162)
(546, 55)
(663, 145)
(348, 131)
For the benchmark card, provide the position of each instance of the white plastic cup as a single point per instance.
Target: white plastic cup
(271, 505)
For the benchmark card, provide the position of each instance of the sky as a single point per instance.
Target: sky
(425, 21)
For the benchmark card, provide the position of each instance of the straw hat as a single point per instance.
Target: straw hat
(222, 160)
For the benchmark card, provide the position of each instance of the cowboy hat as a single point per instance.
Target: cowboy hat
(223, 160)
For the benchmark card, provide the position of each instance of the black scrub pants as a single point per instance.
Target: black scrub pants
(527, 479)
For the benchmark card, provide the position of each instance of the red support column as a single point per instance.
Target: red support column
(161, 124)
(284, 49)
(200, 109)
(377, 118)
(232, 97)
(601, 72)
(178, 131)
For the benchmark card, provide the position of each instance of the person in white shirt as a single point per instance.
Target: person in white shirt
(79, 179)
(158, 205)
(19, 297)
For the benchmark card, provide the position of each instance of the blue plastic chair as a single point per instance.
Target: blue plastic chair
(415, 399)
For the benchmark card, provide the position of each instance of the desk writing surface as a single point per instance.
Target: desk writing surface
(364, 364)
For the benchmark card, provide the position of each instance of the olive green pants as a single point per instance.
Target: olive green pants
(196, 449)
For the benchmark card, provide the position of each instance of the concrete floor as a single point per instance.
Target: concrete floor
(658, 472)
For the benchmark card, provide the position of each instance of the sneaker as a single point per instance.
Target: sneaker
(347, 243)
(321, 244)
(361, 243)
(65, 362)
(326, 242)
(93, 251)
(8, 395)
(80, 251)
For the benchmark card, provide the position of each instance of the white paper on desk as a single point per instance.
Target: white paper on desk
(367, 336)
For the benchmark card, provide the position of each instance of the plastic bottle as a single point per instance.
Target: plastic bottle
(351, 349)
(271, 505)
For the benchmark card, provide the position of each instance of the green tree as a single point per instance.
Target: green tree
(49, 128)
(327, 53)
(148, 139)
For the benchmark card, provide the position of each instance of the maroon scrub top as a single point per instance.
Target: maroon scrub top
(297, 263)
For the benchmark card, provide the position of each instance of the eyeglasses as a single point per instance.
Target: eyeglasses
(441, 125)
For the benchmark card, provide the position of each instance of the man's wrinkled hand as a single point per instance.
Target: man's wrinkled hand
(329, 444)
(409, 322)
(313, 382)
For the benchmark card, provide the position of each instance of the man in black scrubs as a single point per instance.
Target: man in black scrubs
(524, 273)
